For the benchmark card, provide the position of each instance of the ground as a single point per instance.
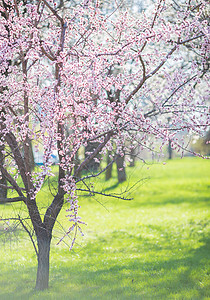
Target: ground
(153, 247)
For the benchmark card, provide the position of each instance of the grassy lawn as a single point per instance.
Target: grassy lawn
(153, 247)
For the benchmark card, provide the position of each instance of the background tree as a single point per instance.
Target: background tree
(65, 56)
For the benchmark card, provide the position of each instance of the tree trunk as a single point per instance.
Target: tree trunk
(109, 169)
(42, 279)
(120, 168)
(169, 150)
(3, 191)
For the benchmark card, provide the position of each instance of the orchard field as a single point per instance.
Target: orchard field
(155, 246)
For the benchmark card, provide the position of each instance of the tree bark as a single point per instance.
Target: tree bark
(120, 168)
(169, 150)
(42, 280)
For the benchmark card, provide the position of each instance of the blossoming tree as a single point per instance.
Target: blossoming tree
(56, 80)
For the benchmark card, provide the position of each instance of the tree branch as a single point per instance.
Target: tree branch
(12, 200)
(178, 89)
(46, 53)
(10, 187)
(143, 66)
(103, 194)
(149, 75)
(189, 40)
(11, 181)
(53, 11)
(11, 141)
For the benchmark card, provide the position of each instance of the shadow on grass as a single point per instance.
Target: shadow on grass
(112, 187)
(134, 278)
(175, 200)
(145, 271)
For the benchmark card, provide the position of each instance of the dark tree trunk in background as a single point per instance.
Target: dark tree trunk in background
(169, 143)
(121, 168)
(3, 191)
(42, 279)
(92, 166)
(108, 174)
(169, 150)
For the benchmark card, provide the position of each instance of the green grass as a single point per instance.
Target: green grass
(153, 247)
